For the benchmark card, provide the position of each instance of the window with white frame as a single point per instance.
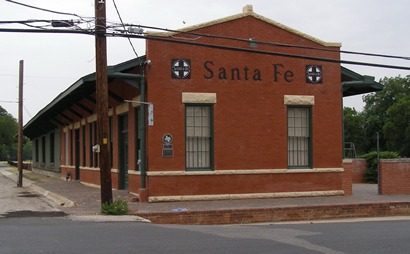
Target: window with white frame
(299, 137)
(198, 147)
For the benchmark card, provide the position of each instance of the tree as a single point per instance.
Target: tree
(397, 126)
(8, 135)
(27, 149)
(388, 112)
(354, 129)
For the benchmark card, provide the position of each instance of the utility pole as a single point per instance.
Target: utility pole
(101, 83)
(20, 127)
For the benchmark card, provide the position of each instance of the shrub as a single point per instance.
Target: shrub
(117, 207)
(371, 172)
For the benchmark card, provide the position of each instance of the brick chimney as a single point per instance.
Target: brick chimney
(247, 8)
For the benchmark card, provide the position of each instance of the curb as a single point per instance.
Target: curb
(62, 201)
(108, 218)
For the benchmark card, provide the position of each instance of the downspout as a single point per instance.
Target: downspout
(343, 125)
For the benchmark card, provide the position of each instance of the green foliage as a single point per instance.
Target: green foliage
(117, 207)
(353, 129)
(27, 150)
(8, 138)
(371, 172)
(388, 112)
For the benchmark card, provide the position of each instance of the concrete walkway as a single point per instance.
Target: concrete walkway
(77, 199)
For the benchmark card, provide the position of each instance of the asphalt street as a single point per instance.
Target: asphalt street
(61, 235)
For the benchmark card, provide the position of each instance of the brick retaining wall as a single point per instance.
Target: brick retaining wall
(278, 214)
(395, 177)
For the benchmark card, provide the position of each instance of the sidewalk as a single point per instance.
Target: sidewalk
(77, 199)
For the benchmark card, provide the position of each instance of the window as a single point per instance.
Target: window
(299, 137)
(198, 147)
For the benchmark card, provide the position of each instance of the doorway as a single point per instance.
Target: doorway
(77, 154)
(123, 152)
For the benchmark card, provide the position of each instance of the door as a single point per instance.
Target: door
(123, 152)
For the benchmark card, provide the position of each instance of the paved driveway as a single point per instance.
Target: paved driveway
(15, 202)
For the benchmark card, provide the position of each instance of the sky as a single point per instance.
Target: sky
(53, 62)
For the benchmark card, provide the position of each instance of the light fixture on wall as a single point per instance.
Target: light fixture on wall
(252, 43)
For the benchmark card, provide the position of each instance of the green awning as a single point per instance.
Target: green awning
(354, 84)
(48, 118)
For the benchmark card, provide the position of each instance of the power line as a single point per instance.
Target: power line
(49, 31)
(92, 32)
(27, 111)
(211, 36)
(9, 101)
(271, 43)
(260, 51)
(208, 36)
(119, 16)
(204, 35)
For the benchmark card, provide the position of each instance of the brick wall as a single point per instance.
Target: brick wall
(249, 117)
(347, 177)
(395, 177)
(359, 170)
(244, 183)
(238, 216)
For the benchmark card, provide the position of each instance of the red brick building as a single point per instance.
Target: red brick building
(240, 107)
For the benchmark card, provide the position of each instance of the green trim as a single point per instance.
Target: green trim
(354, 84)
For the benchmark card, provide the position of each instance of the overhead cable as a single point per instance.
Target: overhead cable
(271, 43)
(119, 16)
(194, 43)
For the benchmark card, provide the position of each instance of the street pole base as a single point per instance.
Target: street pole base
(143, 195)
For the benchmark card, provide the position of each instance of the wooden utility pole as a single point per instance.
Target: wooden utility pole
(102, 101)
(20, 127)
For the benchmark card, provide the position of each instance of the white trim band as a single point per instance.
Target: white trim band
(244, 172)
(154, 199)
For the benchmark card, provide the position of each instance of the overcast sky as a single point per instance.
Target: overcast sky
(53, 62)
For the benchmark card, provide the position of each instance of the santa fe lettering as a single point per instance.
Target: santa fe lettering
(232, 74)
(287, 75)
(246, 73)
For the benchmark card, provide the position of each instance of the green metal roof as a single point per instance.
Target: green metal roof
(46, 119)
(354, 84)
